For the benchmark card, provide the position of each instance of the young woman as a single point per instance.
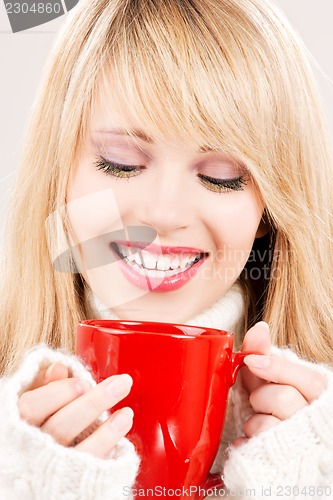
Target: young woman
(178, 147)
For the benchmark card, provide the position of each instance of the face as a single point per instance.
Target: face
(162, 230)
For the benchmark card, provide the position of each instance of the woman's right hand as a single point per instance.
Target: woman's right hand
(64, 407)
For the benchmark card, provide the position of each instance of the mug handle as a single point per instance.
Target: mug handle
(237, 362)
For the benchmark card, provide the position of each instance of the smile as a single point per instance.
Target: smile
(156, 268)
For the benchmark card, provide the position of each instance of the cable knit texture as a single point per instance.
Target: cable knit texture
(34, 467)
(297, 452)
(295, 455)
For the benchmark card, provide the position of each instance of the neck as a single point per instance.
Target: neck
(225, 314)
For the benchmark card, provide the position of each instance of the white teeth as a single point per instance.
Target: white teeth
(157, 266)
(151, 273)
(125, 251)
(131, 257)
(138, 258)
(184, 262)
(175, 263)
(149, 260)
(163, 263)
(122, 249)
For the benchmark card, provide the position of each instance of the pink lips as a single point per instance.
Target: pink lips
(160, 284)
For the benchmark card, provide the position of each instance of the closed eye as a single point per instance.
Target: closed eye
(117, 169)
(214, 184)
(223, 185)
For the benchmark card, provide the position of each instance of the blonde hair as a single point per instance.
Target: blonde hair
(229, 74)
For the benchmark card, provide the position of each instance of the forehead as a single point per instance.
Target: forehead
(114, 115)
(113, 122)
(116, 110)
(183, 74)
(109, 110)
(125, 101)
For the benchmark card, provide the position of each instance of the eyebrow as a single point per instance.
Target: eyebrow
(139, 134)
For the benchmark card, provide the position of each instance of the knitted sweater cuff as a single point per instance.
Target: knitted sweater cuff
(34, 466)
(297, 453)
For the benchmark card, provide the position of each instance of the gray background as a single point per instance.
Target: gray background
(22, 56)
(28, 13)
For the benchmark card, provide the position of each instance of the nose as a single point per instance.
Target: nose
(168, 207)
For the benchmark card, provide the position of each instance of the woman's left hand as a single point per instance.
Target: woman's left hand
(277, 387)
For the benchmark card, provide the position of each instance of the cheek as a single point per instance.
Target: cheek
(236, 224)
(91, 207)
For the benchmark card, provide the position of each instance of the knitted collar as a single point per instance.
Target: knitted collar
(225, 314)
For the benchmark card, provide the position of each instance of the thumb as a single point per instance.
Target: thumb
(256, 340)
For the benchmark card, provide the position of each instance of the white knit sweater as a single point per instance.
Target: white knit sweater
(296, 453)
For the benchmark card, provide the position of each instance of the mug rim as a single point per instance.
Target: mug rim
(184, 331)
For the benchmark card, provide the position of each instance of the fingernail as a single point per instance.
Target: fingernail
(49, 370)
(122, 419)
(119, 385)
(258, 361)
(263, 324)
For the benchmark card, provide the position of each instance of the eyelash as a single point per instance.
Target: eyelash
(117, 169)
(223, 185)
(127, 171)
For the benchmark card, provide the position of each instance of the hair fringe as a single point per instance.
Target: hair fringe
(228, 74)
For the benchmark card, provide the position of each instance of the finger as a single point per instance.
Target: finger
(258, 340)
(101, 442)
(259, 423)
(39, 404)
(56, 371)
(70, 421)
(239, 441)
(281, 401)
(309, 383)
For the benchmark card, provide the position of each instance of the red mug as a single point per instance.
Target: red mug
(181, 378)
